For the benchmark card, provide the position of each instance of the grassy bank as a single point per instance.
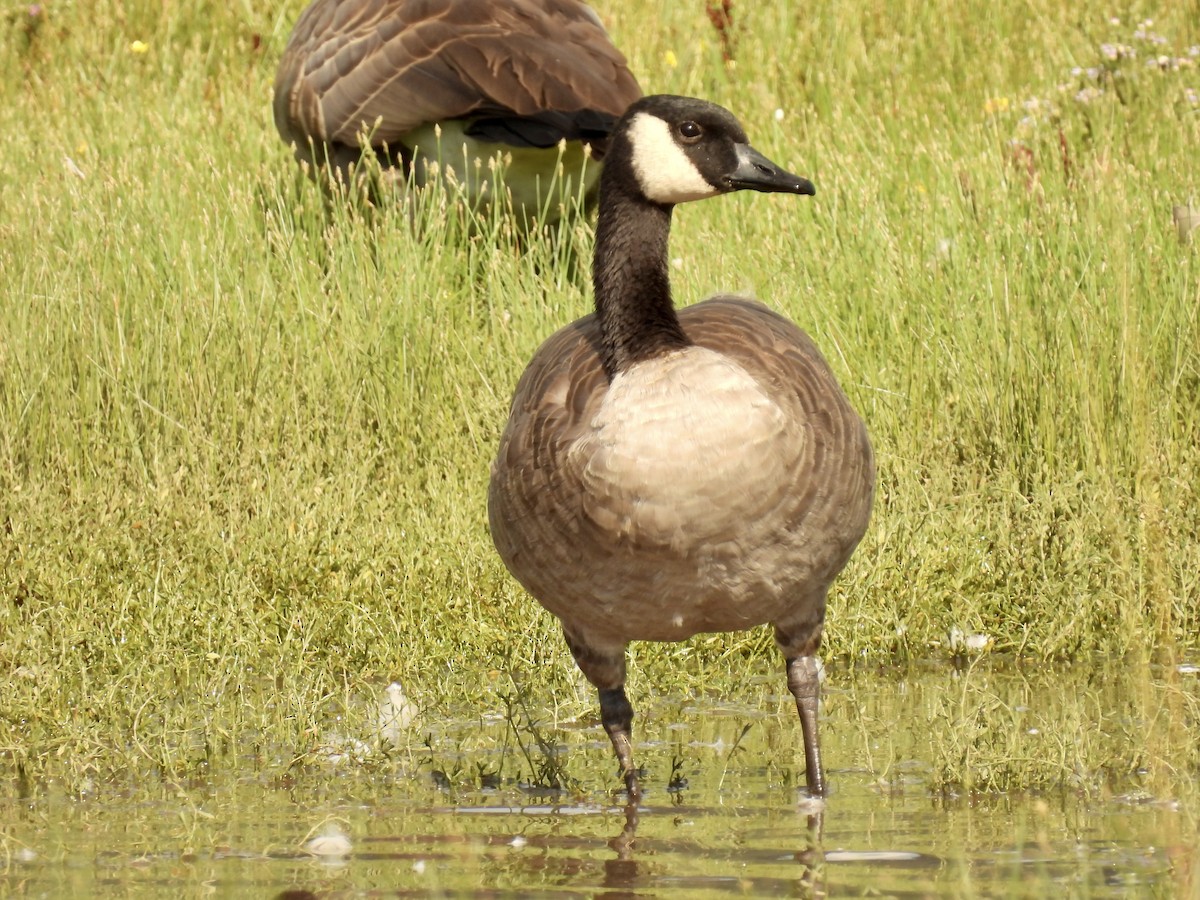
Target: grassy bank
(244, 439)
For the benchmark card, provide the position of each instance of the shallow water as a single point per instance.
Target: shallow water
(722, 817)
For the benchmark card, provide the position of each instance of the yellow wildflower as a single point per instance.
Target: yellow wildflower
(138, 47)
(669, 59)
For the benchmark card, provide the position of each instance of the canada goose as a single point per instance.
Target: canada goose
(667, 473)
(460, 81)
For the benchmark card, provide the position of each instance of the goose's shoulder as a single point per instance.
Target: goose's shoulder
(765, 342)
(728, 319)
(560, 389)
(405, 63)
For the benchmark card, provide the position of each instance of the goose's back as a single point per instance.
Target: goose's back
(709, 491)
(404, 63)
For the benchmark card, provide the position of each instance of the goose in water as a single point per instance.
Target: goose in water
(534, 82)
(668, 472)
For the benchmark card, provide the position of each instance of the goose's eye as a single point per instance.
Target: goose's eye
(690, 132)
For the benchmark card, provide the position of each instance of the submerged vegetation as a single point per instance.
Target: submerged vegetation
(245, 432)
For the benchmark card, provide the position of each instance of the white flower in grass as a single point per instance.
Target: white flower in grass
(396, 714)
(960, 641)
(1144, 33)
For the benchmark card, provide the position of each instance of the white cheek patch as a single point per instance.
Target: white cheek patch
(663, 170)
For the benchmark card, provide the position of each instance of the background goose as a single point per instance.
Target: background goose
(663, 473)
(510, 76)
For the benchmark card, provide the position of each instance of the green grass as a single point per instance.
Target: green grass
(245, 434)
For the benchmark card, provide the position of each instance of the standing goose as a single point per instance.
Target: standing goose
(426, 78)
(667, 473)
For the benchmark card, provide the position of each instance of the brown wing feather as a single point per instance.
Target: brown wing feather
(554, 402)
(407, 63)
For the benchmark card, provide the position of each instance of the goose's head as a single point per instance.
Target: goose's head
(679, 148)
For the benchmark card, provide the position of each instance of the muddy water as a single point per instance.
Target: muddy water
(721, 816)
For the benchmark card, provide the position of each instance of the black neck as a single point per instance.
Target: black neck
(633, 292)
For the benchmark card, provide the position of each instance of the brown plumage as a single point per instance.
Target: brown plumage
(667, 473)
(510, 75)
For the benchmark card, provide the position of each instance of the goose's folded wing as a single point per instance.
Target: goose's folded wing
(405, 63)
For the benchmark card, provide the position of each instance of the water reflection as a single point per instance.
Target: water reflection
(723, 814)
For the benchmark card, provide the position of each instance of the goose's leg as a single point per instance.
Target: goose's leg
(799, 642)
(805, 685)
(607, 672)
(617, 716)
